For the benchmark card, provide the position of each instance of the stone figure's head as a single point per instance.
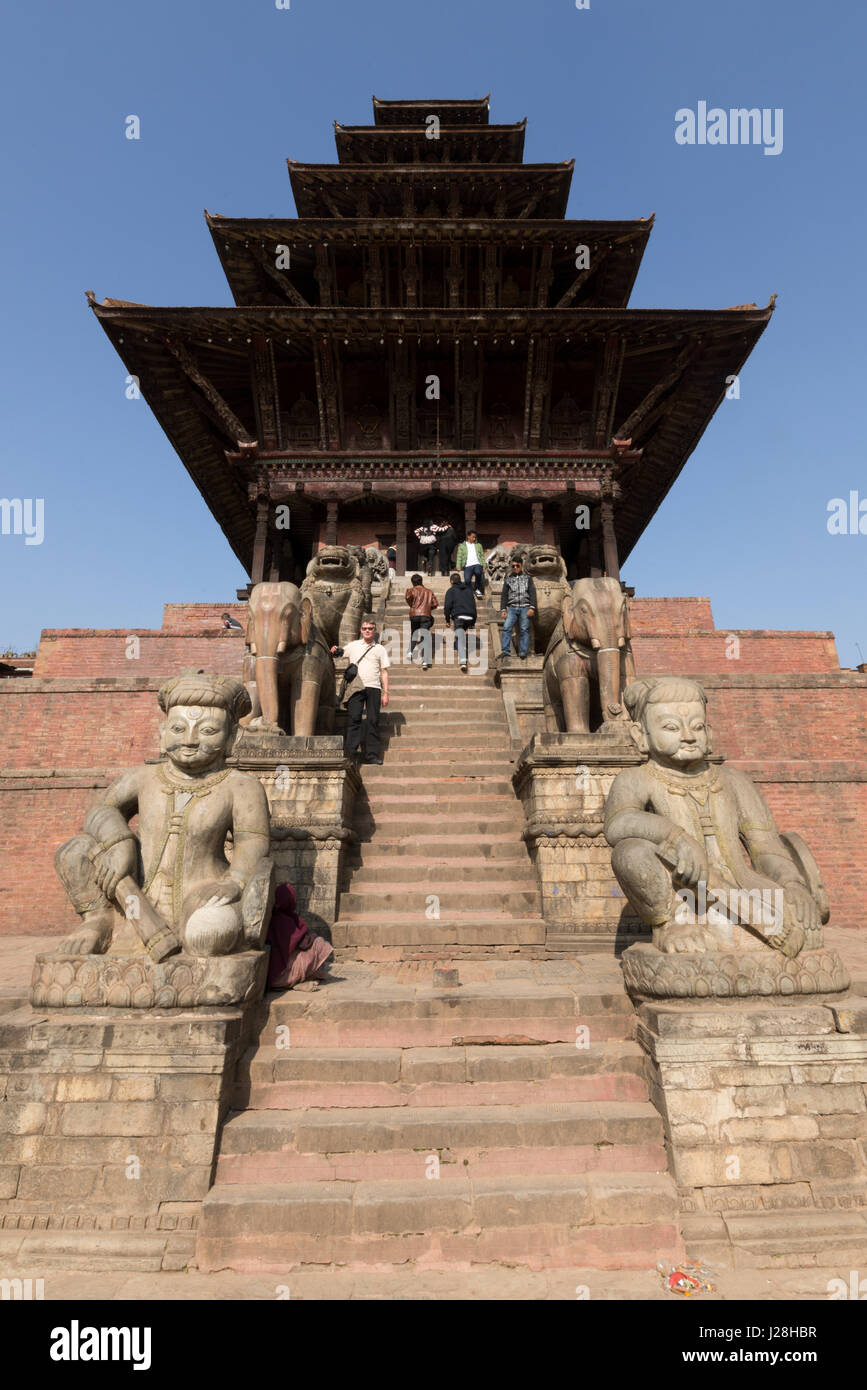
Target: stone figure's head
(201, 723)
(544, 562)
(334, 562)
(669, 716)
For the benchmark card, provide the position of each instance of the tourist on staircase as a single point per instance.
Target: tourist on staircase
(426, 535)
(517, 605)
(371, 693)
(471, 559)
(460, 612)
(446, 540)
(421, 602)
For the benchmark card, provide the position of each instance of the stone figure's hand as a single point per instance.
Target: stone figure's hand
(691, 861)
(803, 904)
(113, 865)
(216, 892)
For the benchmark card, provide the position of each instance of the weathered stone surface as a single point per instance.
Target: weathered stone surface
(136, 982)
(652, 974)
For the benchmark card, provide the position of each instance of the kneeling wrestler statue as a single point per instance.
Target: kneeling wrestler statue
(172, 880)
(679, 826)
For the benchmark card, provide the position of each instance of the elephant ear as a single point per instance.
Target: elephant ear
(306, 620)
(570, 626)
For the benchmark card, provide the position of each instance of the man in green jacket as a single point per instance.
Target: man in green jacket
(471, 559)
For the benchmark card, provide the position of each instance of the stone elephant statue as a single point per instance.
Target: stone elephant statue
(589, 648)
(288, 667)
(547, 568)
(335, 587)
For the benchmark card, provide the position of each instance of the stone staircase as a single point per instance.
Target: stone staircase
(440, 862)
(389, 1123)
(386, 1123)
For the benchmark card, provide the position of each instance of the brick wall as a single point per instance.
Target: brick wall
(783, 711)
(659, 615)
(201, 617)
(134, 653)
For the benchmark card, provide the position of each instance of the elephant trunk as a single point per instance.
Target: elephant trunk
(610, 692)
(267, 688)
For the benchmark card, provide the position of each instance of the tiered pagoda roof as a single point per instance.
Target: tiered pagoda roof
(415, 256)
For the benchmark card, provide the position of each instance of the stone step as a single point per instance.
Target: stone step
(409, 868)
(392, 778)
(480, 759)
(478, 801)
(433, 737)
(399, 837)
(518, 895)
(463, 930)
(603, 1220)
(273, 1078)
(467, 1015)
(381, 874)
(424, 720)
(319, 1141)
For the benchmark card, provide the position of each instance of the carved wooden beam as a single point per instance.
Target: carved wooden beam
(608, 384)
(227, 418)
(640, 415)
(528, 392)
(596, 260)
(264, 380)
(280, 279)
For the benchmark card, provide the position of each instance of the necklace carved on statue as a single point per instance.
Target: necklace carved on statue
(199, 786)
(683, 783)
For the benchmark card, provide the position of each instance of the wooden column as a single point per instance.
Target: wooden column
(469, 518)
(400, 536)
(609, 539)
(331, 524)
(594, 546)
(538, 523)
(260, 544)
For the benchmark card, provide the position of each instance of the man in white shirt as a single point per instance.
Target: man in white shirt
(372, 661)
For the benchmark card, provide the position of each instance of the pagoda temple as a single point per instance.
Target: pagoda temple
(431, 339)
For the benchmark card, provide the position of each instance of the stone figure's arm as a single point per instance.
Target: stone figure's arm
(108, 823)
(250, 829)
(759, 832)
(627, 817)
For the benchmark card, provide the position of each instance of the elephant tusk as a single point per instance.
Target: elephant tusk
(597, 650)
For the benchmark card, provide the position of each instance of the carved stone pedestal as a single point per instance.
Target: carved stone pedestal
(137, 982)
(766, 1124)
(520, 684)
(311, 789)
(652, 974)
(562, 781)
(109, 1131)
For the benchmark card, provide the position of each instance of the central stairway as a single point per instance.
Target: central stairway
(389, 1121)
(439, 862)
(384, 1122)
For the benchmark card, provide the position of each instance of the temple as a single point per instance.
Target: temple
(609, 1075)
(431, 338)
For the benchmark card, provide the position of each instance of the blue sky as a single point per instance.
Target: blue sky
(226, 90)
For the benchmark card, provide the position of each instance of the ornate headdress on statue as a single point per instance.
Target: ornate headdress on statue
(654, 690)
(211, 692)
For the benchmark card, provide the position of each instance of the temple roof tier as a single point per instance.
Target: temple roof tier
(475, 111)
(354, 262)
(427, 144)
(234, 381)
(422, 190)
